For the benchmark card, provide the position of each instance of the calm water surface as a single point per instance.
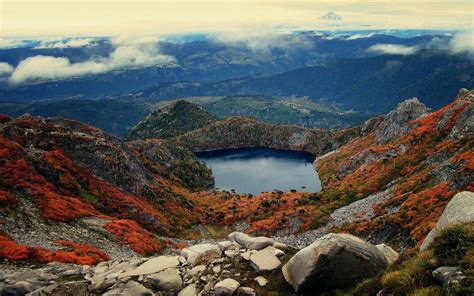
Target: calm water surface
(254, 170)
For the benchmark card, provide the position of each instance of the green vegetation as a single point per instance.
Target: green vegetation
(172, 120)
(413, 276)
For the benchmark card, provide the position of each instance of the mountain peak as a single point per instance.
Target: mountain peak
(396, 123)
(172, 120)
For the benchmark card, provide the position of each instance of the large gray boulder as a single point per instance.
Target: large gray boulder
(333, 261)
(459, 209)
(166, 280)
(130, 288)
(198, 253)
(264, 260)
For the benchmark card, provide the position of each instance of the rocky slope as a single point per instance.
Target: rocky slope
(172, 120)
(72, 193)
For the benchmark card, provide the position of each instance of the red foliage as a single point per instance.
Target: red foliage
(11, 250)
(130, 233)
(75, 253)
(4, 118)
(7, 199)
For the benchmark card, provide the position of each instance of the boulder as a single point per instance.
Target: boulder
(390, 254)
(196, 270)
(245, 291)
(261, 281)
(166, 280)
(226, 287)
(21, 288)
(459, 209)
(153, 265)
(450, 277)
(333, 261)
(130, 288)
(190, 290)
(264, 260)
(251, 243)
(100, 283)
(197, 253)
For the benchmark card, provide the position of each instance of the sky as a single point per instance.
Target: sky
(38, 18)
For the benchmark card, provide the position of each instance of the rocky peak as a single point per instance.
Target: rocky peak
(396, 123)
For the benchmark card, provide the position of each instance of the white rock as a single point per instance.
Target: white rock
(154, 265)
(280, 246)
(261, 281)
(130, 288)
(245, 291)
(230, 253)
(190, 290)
(196, 270)
(168, 279)
(226, 287)
(224, 244)
(264, 260)
(200, 252)
(459, 209)
(390, 254)
(251, 243)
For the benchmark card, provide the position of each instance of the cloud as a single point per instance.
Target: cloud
(360, 36)
(76, 42)
(5, 69)
(331, 16)
(265, 41)
(125, 56)
(393, 49)
(11, 43)
(462, 43)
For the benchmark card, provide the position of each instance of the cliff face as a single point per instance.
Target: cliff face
(236, 132)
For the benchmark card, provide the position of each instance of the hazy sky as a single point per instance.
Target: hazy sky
(106, 17)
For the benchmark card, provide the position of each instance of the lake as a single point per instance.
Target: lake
(255, 170)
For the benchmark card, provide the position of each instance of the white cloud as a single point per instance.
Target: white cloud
(393, 49)
(11, 43)
(360, 36)
(76, 42)
(264, 41)
(5, 69)
(331, 16)
(126, 56)
(463, 43)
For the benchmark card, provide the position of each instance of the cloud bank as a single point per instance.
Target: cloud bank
(76, 42)
(462, 43)
(393, 49)
(124, 56)
(5, 69)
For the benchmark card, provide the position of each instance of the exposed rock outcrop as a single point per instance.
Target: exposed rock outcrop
(333, 261)
(459, 209)
(395, 124)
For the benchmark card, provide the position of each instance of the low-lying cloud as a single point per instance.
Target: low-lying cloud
(462, 43)
(331, 16)
(125, 56)
(393, 49)
(76, 42)
(5, 69)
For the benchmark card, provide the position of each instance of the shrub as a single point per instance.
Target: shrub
(453, 244)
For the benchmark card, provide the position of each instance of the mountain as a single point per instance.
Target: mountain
(172, 120)
(289, 110)
(373, 84)
(114, 116)
(206, 60)
(72, 193)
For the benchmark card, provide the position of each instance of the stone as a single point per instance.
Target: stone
(22, 287)
(390, 254)
(251, 243)
(201, 252)
(264, 260)
(226, 287)
(246, 255)
(333, 261)
(216, 269)
(280, 246)
(168, 279)
(397, 122)
(130, 288)
(279, 252)
(154, 265)
(100, 283)
(189, 290)
(224, 244)
(459, 209)
(196, 270)
(261, 281)
(245, 291)
(450, 277)
(230, 253)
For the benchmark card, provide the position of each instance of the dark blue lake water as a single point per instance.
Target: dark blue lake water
(255, 170)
